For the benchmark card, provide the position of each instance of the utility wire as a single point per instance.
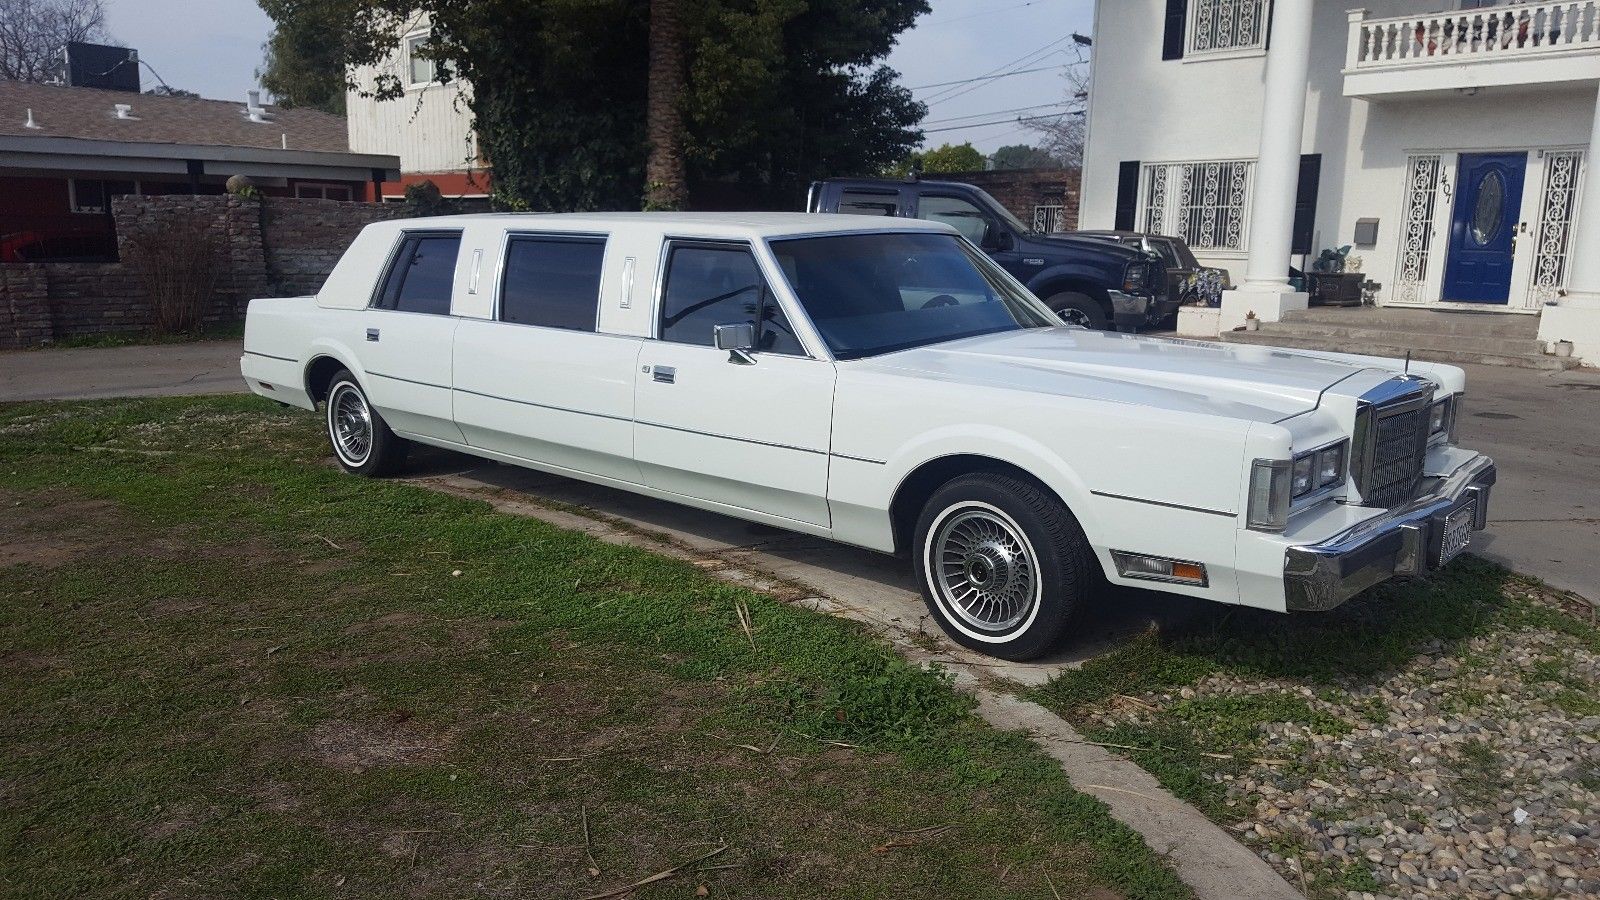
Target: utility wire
(1023, 60)
(1019, 120)
(993, 112)
(989, 77)
(985, 12)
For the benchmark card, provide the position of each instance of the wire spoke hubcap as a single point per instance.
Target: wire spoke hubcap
(350, 424)
(984, 570)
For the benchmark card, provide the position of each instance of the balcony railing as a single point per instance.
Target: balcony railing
(1496, 33)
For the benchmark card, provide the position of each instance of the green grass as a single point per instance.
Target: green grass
(229, 331)
(231, 670)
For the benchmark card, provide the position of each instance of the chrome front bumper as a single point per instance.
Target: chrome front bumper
(1405, 541)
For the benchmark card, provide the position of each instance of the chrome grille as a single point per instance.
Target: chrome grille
(1391, 440)
(1399, 443)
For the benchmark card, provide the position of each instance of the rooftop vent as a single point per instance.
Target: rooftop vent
(253, 108)
(125, 111)
(30, 123)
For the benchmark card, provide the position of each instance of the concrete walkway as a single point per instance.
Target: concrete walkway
(157, 370)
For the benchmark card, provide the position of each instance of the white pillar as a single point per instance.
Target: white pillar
(1283, 118)
(1576, 315)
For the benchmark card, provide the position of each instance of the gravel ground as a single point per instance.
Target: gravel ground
(1471, 771)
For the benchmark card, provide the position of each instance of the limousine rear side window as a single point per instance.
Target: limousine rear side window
(552, 281)
(421, 274)
(710, 285)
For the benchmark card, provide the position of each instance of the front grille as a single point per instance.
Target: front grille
(1399, 443)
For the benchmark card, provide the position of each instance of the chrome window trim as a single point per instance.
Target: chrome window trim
(500, 273)
(670, 242)
(394, 250)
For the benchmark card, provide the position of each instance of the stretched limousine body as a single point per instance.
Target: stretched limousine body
(885, 384)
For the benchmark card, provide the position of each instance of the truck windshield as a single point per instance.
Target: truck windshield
(877, 293)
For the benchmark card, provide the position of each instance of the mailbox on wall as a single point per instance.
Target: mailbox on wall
(1366, 233)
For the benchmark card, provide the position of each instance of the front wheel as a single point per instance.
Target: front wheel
(1076, 308)
(361, 439)
(1002, 564)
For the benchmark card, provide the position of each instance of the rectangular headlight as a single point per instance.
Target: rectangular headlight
(1330, 464)
(1439, 417)
(1303, 480)
(1269, 495)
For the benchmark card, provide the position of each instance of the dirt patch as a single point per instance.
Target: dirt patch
(175, 819)
(48, 536)
(385, 621)
(354, 747)
(30, 661)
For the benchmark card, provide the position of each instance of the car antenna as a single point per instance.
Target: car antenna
(1408, 363)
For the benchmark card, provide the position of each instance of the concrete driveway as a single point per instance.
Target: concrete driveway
(157, 370)
(1542, 428)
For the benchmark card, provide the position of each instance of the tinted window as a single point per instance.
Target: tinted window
(711, 286)
(957, 213)
(554, 282)
(422, 274)
(877, 293)
(867, 203)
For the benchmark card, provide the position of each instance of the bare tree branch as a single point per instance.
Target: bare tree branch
(32, 33)
(1062, 136)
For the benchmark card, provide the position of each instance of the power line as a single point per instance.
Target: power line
(921, 87)
(1023, 60)
(1019, 120)
(985, 12)
(993, 112)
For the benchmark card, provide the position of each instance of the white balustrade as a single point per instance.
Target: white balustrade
(1501, 32)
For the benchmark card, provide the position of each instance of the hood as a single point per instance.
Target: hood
(1097, 244)
(1241, 381)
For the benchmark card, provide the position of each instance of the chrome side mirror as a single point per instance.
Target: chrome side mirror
(738, 339)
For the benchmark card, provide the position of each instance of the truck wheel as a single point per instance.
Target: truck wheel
(361, 439)
(1002, 564)
(1078, 309)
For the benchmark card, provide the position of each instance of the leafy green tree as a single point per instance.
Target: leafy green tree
(777, 92)
(953, 158)
(1023, 156)
(306, 52)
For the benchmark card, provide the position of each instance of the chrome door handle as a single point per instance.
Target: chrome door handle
(664, 374)
(372, 334)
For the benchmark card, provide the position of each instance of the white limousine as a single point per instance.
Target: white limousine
(885, 384)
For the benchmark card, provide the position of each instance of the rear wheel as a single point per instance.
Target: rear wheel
(361, 439)
(1002, 564)
(1077, 308)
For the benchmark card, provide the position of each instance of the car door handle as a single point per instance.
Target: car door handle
(372, 334)
(664, 374)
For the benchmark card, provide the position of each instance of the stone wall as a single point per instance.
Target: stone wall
(271, 247)
(1021, 190)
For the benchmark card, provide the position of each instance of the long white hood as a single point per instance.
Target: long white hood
(1233, 380)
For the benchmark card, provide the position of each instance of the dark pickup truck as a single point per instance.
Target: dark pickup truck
(1088, 282)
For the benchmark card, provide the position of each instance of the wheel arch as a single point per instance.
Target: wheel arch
(325, 361)
(1044, 290)
(913, 491)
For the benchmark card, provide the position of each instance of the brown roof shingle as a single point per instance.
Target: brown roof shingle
(89, 114)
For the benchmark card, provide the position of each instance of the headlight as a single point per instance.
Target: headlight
(1330, 464)
(1442, 418)
(1135, 277)
(1269, 495)
(1303, 479)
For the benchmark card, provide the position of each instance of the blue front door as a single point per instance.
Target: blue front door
(1483, 227)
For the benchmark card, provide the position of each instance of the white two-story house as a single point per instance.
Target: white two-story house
(1447, 140)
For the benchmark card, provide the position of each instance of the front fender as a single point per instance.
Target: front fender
(1043, 282)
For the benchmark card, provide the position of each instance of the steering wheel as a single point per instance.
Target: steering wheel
(941, 300)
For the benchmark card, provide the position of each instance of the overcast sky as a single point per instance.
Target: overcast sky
(214, 47)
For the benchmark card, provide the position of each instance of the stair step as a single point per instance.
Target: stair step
(1422, 320)
(1398, 350)
(1354, 338)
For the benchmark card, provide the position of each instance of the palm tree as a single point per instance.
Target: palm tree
(664, 174)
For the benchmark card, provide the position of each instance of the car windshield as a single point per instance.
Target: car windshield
(877, 293)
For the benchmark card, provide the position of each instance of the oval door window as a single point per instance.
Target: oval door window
(1486, 219)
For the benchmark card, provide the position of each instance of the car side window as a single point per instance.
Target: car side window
(869, 203)
(552, 281)
(422, 274)
(709, 286)
(957, 213)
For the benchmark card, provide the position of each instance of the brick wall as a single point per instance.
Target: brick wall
(271, 247)
(1021, 190)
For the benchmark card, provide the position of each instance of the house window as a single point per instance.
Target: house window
(420, 70)
(1216, 26)
(1205, 203)
(306, 191)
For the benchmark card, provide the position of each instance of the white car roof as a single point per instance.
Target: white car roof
(708, 224)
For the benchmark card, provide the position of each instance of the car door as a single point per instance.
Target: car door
(408, 333)
(975, 224)
(750, 433)
(537, 380)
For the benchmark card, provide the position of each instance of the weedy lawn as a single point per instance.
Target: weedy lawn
(229, 670)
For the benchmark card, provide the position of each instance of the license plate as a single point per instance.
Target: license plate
(1457, 532)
